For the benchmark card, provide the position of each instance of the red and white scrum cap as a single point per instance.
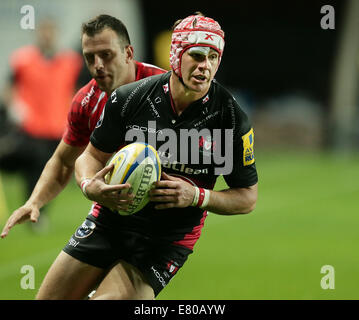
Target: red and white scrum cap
(195, 31)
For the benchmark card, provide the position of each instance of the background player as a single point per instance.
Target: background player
(38, 93)
(149, 247)
(109, 57)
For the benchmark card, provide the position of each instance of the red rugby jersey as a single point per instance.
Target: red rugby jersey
(44, 89)
(87, 105)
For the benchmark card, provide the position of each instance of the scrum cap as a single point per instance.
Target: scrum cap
(195, 31)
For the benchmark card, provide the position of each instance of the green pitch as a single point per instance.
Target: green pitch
(307, 216)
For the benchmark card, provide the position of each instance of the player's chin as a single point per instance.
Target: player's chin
(199, 87)
(105, 84)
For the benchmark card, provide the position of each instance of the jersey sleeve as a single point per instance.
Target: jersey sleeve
(124, 103)
(244, 172)
(109, 133)
(77, 132)
(145, 70)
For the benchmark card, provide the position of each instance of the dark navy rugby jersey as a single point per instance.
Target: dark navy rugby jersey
(197, 137)
(192, 145)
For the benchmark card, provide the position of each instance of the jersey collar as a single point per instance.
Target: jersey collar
(200, 104)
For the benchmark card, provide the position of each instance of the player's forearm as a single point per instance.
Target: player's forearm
(233, 201)
(90, 173)
(87, 166)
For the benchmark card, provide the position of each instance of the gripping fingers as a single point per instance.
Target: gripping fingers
(123, 204)
(117, 203)
(167, 197)
(117, 187)
(163, 199)
(102, 173)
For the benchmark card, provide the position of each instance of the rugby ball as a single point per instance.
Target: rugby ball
(140, 166)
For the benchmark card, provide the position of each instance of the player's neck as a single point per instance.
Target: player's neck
(48, 52)
(131, 77)
(182, 96)
(131, 72)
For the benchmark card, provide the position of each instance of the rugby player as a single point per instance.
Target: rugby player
(145, 250)
(109, 56)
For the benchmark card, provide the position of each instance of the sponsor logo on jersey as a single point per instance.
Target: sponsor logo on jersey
(114, 97)
(206, 143)
(154, 111)
(172, 267)
(85, 229)
(248, 150)
(207, 118)
(205, 99)
(73, 242)
(181, 167)
(88, 96)
(143, 129)
(133, 93)
(165, 88)
(159, 277)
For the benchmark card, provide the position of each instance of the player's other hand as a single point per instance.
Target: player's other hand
(110, 196)
(24, 213)
(172, 192)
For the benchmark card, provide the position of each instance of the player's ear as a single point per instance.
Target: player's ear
(129, 53)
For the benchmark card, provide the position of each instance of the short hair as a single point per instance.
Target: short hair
(103, 21)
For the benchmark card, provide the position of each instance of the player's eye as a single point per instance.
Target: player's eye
(89, 58)
(197, 56)
(106, 55)
(213, 57)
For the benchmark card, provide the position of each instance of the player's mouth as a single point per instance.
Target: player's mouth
(101, 77)
(200, 78)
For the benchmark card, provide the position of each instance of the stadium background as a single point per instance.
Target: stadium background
(298, 84)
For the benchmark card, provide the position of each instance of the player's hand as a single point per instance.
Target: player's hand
(107, 195)
(172, 192)
(24, 213)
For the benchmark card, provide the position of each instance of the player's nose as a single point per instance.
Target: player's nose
(204, 63)
(98, 63)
